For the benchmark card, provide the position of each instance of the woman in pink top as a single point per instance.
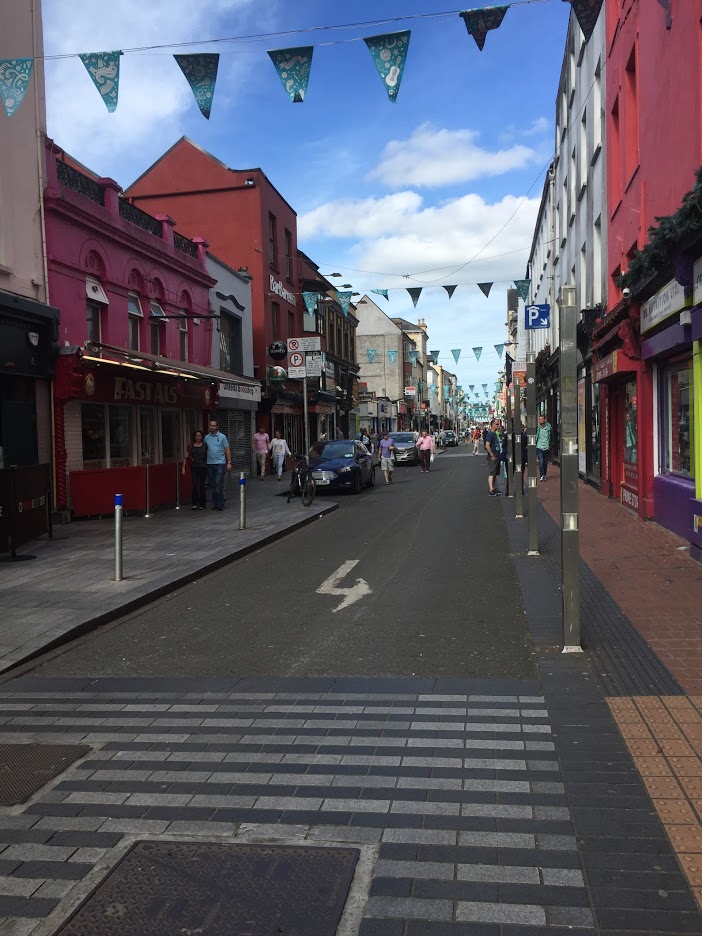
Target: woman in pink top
(425, 447)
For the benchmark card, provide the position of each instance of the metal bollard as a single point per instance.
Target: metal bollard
(118, 537)
(242, 500)
(177, 506)
(148, 492)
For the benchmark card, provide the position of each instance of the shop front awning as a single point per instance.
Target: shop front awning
(613, 366)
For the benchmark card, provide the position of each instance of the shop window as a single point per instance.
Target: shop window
(93, 317)
(135, 318)
(120, 436)
(183, 337)
(630, 439)
(594, 453)
(92, 420)
(678, 441)
(170, 435)
(147, 436)
(231, 353)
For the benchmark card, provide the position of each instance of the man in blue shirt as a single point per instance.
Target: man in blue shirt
(218, 461)
(492, 449)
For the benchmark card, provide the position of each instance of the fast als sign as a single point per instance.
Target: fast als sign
(537, 316)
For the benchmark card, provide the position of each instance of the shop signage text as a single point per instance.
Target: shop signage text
(280, 290)
(240, 390)
(410, 391)
(101, 386)
(630, 499)
(697, 279)
(665, 302)
(139, 391)
(604, 368)
(304, 344)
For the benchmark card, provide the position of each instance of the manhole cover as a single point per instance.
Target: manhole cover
(168, 888)
(25, 768)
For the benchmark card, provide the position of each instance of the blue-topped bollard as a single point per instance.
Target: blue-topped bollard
(118, 536)
(242, 500)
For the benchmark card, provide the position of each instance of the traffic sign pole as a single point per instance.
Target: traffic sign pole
(533, 549)
(518, 476)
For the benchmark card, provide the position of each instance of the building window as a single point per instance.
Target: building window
(288, 254)
(630, 424)
(231, 351)
(291, 324)
(147, 436)
(275, 315)
(93, 315)
(183, 336)
(170, 435)
(615, 157)
(677, 436)
(92, 420)
(135, 318)
(330, 338)
(597, 262)
(631, 117)
(119, 418)
(346, 342)
(273, 241)
(582, 180)
(597, 109)
(158, 316)
(107, 437)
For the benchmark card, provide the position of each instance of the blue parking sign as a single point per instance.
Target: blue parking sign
(537, 316)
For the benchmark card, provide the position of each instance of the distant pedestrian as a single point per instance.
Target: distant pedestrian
(339, 432)
(387, 448)
(476, 440)
(261, 444)
(219, 459)
(197, 455)
(544, 435)
(279, 449)
(492, 450)
(365, 439)
(425, 447)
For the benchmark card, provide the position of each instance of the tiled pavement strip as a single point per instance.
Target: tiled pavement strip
(485, 822)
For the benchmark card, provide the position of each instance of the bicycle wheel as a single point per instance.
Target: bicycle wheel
(309, 489)
(292, 490)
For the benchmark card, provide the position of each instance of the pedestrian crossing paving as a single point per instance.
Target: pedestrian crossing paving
(460, 796)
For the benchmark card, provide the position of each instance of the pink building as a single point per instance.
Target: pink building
(132, 378)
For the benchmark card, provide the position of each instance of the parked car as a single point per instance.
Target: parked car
(405, 448)
(342, 464)
(449, 438)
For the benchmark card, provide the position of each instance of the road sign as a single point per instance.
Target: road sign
(296, 365)
(304, 344)
(314, 365)
(537, 316)
(297, 359)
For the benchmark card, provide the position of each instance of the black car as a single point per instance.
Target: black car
(449, 438)
(405, 448)
(342, 464)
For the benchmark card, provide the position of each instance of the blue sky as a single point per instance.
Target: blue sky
(414, 188)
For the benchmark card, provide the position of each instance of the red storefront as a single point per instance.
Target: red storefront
(117, 422)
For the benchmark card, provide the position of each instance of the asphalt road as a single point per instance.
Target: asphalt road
(442, 598)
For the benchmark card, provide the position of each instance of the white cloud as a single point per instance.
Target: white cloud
(154, 96)
(364, 218)
(537, 128)
(433, 157)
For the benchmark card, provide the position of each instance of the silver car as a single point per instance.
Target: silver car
(405, 448)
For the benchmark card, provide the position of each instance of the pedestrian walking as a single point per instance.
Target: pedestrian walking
(386, 448)
(261, 444)
(219, 460)
(279, 449)
(197, 455)
(544, 434)
(425, 448)
(339, 432)
(476, 440)
(492, 450)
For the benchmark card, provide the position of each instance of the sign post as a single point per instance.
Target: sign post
(509, 463)
(119, 498)
(518, 476)
(570, 536)
(298, 348)
(533, 549)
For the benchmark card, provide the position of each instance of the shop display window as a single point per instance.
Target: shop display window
(92, 418)
(630, 440)
(170, 435)
(120, 436)
(677, 422)
(147, 436)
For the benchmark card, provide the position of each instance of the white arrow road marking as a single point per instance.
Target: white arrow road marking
(330, 586)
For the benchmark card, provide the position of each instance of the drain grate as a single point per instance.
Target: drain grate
(162, 888)
(25, 768)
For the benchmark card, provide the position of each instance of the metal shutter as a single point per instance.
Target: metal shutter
(236, 426)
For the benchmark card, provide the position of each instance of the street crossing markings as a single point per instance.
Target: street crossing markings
(330, 586)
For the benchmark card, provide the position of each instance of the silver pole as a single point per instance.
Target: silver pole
(118, 537)
(242, 500)
(570, 536)
(509, 464)
(148, 492)
(306, 426)
(531, 453)
(177, 506)
(517, 477)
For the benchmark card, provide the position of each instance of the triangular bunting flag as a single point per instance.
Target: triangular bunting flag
(434, 389)
(392, 356)
(523, 288)
(485, 386)
(434, 357)
(450, 290)
(380, 292)
(446, 393)
(371, 352)
(293, 67)
(415, 293)
(344, 299)
(311, 300)
(14, 79)
(485, 288)
(499, 348)
(471, 387)
(389, 54)
(103, 68)
(201, 73)
(413, 355)
(479, 22)
(456, 352)
(477, 352)
(586, 13)
(459, 387)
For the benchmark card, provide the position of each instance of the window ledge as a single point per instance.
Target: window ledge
(633, 175)
(616, 208)
(583, 188)
(596, 154)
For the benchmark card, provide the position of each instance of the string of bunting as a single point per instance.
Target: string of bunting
(522, 287)
(293, 66)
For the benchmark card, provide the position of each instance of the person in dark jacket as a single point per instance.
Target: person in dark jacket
(197, 455)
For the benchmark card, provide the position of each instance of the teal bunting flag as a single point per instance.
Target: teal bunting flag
(459, 387)
(14, 80)
(586, 13)
(477, 352)
(456, 352)
(434, 389)
(415, 293)
(381, 292)
(499, 348)
(103, 68)
(311, 300)
(344, 300)
(523, 288)
(434, 356)
(450, 290)
(485, 288)
(371, 352)
(392, 356)
(201, 74)
(293, 67)
(389, 54)
(446, 393)
(471, 387)
(413, 355)
(485, 386)
(479, 22)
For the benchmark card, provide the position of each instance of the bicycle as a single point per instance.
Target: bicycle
(302, 482)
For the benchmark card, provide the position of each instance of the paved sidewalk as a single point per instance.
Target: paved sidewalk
(647, 570)
(70, 587)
